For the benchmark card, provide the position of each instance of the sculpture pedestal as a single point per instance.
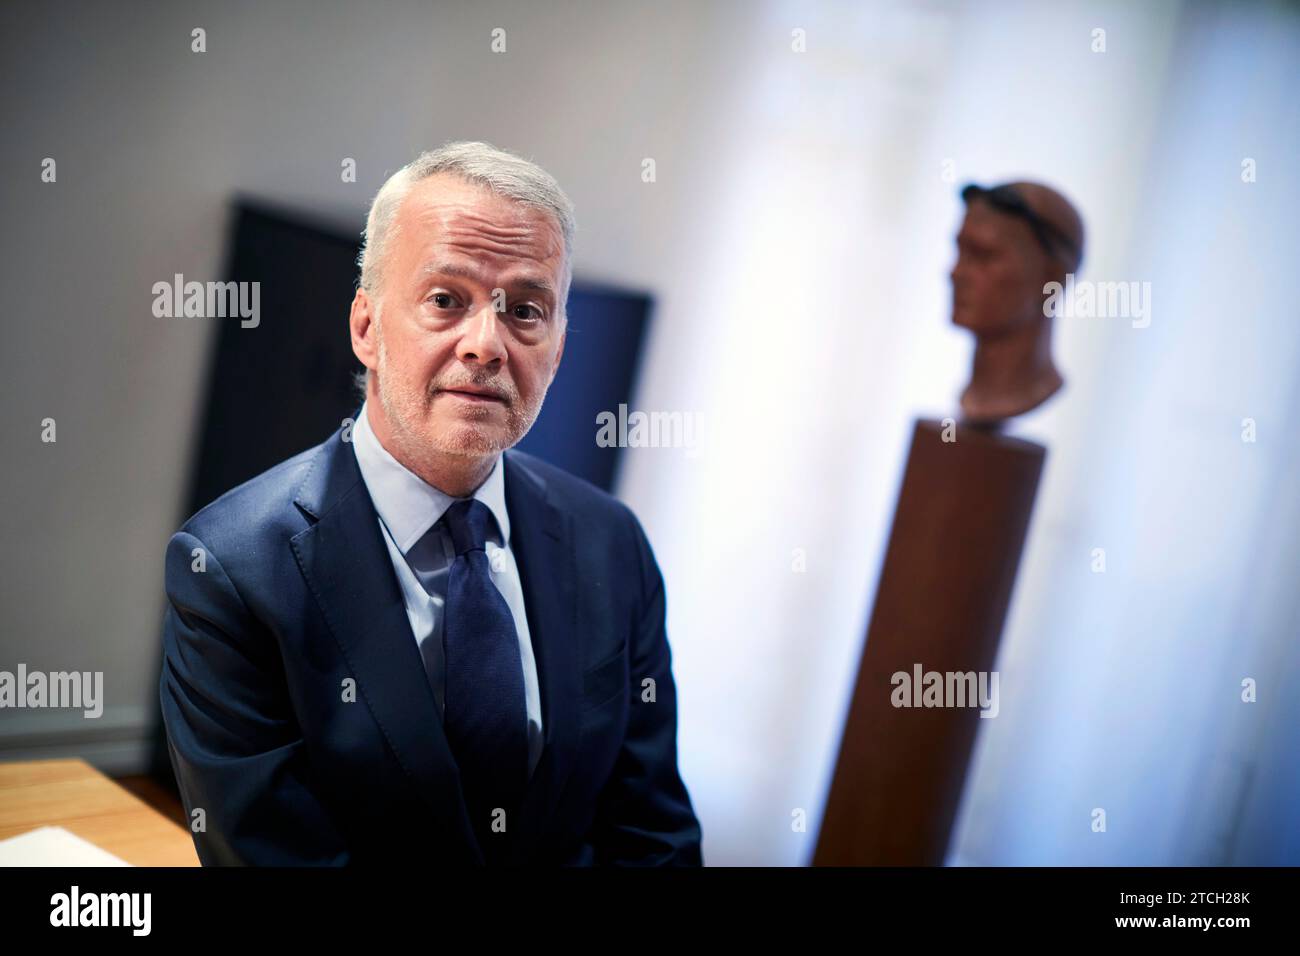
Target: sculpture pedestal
(959, 528)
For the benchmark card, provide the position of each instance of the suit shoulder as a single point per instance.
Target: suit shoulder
(258, 503)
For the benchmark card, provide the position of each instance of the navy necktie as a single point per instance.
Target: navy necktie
(485, 715)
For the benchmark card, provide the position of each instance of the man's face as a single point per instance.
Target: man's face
(997, 281)
(469, 334)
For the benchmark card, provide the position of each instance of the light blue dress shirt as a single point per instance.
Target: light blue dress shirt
(421, 551)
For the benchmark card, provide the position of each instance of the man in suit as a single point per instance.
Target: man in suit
(412, 642)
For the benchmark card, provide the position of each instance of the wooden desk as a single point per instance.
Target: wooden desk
(74, 795)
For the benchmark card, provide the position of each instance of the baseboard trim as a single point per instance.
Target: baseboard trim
(118, 743)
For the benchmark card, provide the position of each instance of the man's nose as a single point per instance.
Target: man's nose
(482, 343)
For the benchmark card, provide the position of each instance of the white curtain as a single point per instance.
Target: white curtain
(808, 326)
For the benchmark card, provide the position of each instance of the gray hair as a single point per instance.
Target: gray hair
(500, 171)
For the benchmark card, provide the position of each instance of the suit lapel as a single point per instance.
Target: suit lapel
(346, 564)
(543, 548)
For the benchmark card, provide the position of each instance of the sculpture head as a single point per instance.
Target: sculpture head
(1015, 239)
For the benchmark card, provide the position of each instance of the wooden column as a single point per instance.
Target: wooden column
(944, 588)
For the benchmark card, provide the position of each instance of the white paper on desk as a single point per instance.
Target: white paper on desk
(54, 846)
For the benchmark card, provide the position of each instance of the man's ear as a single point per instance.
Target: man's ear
(362, 324)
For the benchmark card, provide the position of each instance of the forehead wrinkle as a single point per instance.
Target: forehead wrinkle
(457, 219)
(478, 247)
(507, 240)
(459, 270)
(446, 198)
(460, 227)
(506, 218)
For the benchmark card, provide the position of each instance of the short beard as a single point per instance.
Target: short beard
(404, 411)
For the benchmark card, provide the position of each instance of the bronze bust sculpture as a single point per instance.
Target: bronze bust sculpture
(1015, 239)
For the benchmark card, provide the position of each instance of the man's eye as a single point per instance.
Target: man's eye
(442, 300)
(524, 311)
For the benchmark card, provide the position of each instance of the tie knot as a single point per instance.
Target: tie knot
(469, 523)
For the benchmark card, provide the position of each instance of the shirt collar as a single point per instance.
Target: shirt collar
(408, 504)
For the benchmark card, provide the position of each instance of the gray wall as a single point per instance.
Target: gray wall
(151, 140)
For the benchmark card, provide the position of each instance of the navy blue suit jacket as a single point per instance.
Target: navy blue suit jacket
(298, 598)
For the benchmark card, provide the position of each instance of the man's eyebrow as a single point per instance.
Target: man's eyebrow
(536, 283)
